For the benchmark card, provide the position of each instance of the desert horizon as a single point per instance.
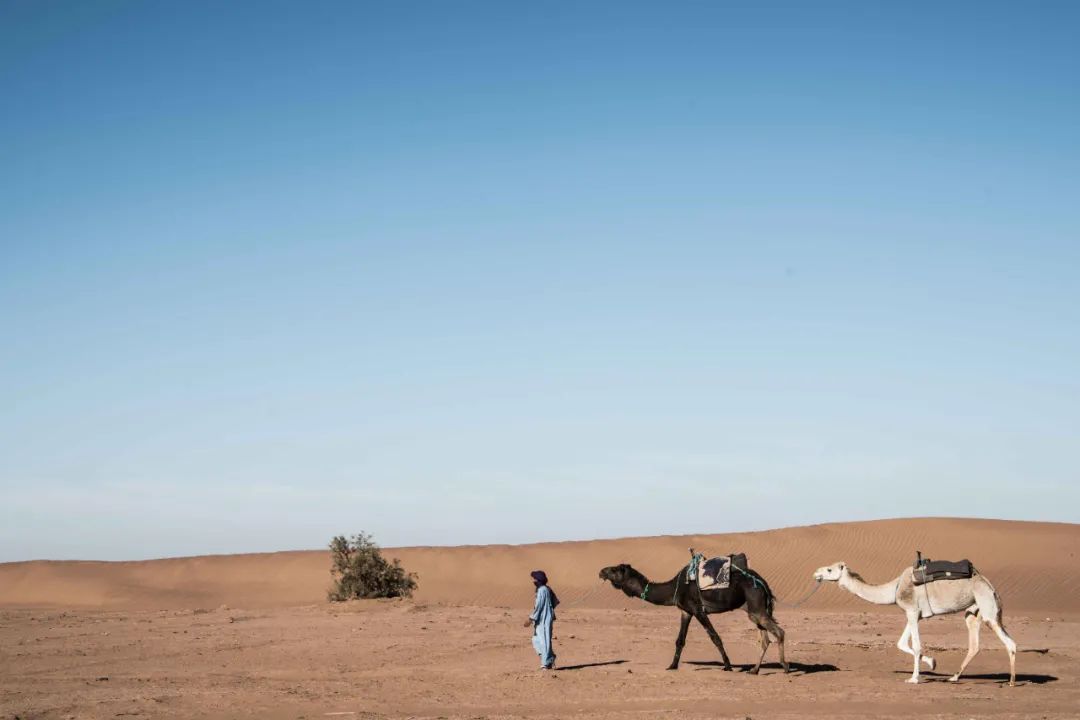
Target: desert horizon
(611, 538)
(1018, 555)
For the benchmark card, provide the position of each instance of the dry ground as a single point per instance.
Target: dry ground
(406, 659)
(128, 640)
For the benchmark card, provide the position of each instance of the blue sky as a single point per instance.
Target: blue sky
(495, 272)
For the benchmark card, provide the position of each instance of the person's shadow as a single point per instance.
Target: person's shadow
(589, 665)
(797, 668)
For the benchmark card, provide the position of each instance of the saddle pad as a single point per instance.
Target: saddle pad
(715, 574)
(935, 570)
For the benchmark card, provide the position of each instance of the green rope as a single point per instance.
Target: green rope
(692, 568)
(645, 592)
(752, 577)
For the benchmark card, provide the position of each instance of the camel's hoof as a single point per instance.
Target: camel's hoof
(786, 668)
(954, 678)
(1012, 683)
(754, 671)
(912, 681)
(672, 667)
(930, 662)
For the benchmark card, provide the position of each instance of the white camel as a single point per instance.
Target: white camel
(974, 596)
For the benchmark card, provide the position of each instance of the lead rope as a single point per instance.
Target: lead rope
(583, 598)
(762, 585)
(817, 586)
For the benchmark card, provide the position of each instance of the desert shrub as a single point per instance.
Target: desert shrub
(360, 571)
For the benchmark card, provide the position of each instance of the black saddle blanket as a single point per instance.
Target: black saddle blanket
(714, 567)
(933, 570)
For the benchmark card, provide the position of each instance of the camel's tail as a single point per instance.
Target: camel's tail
(759, 580)
(982, 608)
(1000, 607)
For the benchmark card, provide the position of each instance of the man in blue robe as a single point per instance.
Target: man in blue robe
(542, 619)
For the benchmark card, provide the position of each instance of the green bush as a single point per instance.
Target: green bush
(359, 571)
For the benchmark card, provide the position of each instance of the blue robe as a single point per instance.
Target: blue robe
(543, 617)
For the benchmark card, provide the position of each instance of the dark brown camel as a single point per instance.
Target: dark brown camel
(748, 589)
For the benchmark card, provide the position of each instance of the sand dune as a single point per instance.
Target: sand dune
(280, 651)
(1034, 566)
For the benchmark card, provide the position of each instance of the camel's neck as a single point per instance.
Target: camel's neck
(656, 593)
(884, 594)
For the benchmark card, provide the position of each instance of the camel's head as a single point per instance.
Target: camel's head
(830, 573)
(625, 578)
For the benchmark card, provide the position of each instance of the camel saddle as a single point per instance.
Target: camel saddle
(715, 573)
(928, 571)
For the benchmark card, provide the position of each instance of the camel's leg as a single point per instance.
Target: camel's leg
(779, 633)
(990, 609)
(973, 624)
(680, 641)
(1009, 644)
(905, 646)
(903, 643)
(916, 644)
(715, 637)
(767, 624)
(764, 649)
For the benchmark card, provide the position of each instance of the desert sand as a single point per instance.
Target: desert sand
(253, 636)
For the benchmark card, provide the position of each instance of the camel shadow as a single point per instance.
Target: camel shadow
(797, 668)
(589, 665)
(996, 677)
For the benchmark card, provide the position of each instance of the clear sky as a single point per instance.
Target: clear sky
(463, 272)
